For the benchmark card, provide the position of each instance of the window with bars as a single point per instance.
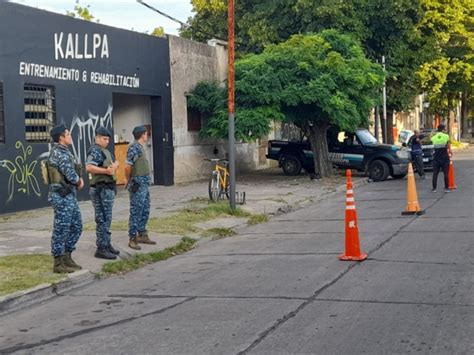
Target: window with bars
(40, 112)
(2, 116)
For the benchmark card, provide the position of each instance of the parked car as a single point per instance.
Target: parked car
(359, 150)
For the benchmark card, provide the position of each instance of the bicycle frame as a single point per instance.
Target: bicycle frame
(223, 175)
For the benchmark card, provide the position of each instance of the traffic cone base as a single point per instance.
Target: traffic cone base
(411, 213)
(413, 206)
(352, 258)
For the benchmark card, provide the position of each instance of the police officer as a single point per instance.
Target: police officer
(417, 153)
(441, 157)
(101, 167)
(64, 180)
(137, 174)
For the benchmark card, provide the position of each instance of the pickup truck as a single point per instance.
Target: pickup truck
(359, 150)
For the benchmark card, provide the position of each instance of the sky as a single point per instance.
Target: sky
(128, 14)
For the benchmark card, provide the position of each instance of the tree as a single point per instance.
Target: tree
(449, 76)
(82, 12)
(158, 32)
(314, 81)
(384, 27)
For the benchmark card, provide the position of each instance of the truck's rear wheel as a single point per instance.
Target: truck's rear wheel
(291, 165)
(378, 170)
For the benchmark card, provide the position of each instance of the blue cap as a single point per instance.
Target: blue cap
(102, 131)
(139, 129)
(57, 130)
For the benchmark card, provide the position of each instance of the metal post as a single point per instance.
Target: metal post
(231, 103)
(376, 122)
(384, 103)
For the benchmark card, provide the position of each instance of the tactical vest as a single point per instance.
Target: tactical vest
(53, 174)
(141, 167)
(97, 178)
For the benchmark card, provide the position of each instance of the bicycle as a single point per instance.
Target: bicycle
(219, 183)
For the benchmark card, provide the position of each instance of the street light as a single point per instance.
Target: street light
(231, 98)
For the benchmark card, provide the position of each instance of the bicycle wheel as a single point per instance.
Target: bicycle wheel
(214, 188)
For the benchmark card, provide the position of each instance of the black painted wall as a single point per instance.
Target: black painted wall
(27, 35)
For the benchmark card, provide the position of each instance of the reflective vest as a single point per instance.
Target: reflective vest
(440, 140)
(141, 167)
(97, 178)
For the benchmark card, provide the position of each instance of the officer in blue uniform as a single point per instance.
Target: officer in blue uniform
(65, 179)
(101, 167)
(137, 174)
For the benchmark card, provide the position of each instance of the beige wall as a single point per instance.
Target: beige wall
(192, 62)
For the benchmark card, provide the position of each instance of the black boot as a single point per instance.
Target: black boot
(67, 260)
(113, 250)
(104, 254)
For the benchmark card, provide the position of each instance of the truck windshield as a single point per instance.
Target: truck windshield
(366, 137)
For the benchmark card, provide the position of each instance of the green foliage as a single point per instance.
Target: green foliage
(452, 69)
(82, 12)
(158, 32)
(312, 80)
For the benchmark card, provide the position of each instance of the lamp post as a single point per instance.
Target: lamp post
(231, 102)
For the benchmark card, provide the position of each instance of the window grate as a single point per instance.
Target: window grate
(2, 116)
(40, 112)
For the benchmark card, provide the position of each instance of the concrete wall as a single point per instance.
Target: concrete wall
(192, 62)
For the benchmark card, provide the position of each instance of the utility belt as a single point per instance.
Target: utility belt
(105, 185)
(63, 190)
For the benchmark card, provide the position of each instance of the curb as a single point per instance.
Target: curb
(44, 292)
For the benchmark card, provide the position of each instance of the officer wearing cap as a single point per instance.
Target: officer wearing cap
(64, 180)
(137, 174)
(101, 166)
(441, 157)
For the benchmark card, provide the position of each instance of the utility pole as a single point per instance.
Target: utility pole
(384, 93)
(231, 102)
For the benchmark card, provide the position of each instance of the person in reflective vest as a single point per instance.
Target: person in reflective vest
(101, 167)
(65, 179)
(137, 174)
(441, 157)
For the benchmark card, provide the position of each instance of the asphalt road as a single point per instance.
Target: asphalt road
(280, 288)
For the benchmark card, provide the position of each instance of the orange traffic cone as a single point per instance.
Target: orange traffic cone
(413, 207)
(352, 251)
(451, 182)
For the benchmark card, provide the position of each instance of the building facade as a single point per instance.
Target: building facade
(55, 69)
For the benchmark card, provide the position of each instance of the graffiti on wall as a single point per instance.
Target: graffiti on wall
(21, 170)
(85, 128)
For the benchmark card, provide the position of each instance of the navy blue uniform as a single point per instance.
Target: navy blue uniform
(67, 216)
(140, 200)
(102, 199)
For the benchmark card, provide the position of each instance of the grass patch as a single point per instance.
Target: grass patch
(20, 272)
(139, 260)
(257, 218)
(183, 221)
(218, 233)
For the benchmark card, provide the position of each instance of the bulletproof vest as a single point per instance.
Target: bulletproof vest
(141, 167)
(97, 178)
(55, 176)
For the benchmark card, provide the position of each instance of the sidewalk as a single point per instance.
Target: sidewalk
(268, 192)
